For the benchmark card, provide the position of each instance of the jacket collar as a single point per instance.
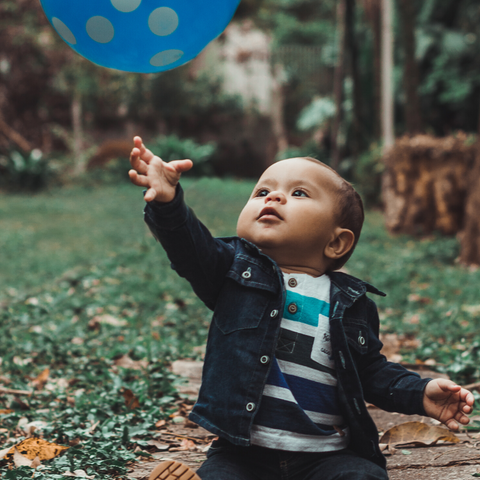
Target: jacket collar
(352, 287)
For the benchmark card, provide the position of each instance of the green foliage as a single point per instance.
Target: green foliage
(175, 94)
(316, 114)
(429, 297)
(309, 149)
(25, 171)
(75, 299)
(171, 147)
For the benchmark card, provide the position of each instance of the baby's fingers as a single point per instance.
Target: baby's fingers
(139, 180)
(136, 162)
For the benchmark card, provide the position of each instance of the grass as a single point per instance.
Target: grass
(83, 283)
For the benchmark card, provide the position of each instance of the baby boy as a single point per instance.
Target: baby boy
(293, 351)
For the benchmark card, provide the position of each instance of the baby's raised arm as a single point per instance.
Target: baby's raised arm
(151, 172)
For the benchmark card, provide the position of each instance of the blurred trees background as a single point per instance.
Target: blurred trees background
(325, 59)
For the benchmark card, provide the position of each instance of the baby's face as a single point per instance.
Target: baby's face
(291, 214)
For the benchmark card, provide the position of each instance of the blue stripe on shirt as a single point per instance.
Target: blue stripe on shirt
(291, 418)
(312, 396)
(308, 308)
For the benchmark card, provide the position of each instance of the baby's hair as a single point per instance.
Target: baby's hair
(350, 212)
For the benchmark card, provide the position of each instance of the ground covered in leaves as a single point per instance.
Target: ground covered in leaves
(92, 317)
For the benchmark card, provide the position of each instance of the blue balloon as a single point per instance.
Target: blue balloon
(143, 36)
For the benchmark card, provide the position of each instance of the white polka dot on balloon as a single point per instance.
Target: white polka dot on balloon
(126, 5)
(64, 31)
(166, 57)
(100, 29)
(163, 21)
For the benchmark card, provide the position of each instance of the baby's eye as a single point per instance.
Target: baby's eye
(299, 193)
(262, 193)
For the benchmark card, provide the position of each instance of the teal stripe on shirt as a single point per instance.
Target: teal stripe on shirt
(308, 309)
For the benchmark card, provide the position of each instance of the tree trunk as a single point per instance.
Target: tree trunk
(338, 84)
(470, 237)
(278, 103)
(387, 75)
(77, 125)
(357, 89)
(413, 121)
(373, 11)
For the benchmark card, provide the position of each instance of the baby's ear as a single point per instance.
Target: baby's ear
(340, 244)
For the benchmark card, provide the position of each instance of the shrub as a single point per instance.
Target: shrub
(24, 171)
(171, 147)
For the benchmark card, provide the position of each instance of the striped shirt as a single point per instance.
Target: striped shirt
(299, 410)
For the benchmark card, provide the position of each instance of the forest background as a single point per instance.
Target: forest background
(88, 327)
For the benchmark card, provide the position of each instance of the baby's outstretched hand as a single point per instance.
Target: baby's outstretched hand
(149, 171)
(447, 402)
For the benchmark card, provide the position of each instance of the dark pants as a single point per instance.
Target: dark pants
(226, 461)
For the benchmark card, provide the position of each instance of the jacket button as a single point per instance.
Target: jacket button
(250, 407)
(247, 273)
(292, 282)
(361, 340)
(292, 308)
(274, 313)
(264, 359)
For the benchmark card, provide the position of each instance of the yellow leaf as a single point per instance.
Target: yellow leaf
(41, 380)
(36, 447)
(417, 433)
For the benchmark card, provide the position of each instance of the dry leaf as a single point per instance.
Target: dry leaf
(5, 411)
(160, 423)
(36, 447)
(131, 401)
(162, 447)
(126, 362)
(185, 445)
(19, 460)
(110, 320)
(41, 380)
(35, 463)
(78, 474)
(417, 433)
(4, 452)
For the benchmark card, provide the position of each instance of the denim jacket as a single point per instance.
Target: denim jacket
(245, 290)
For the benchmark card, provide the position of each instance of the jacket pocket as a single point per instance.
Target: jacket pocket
(357, 335)
(239, 307)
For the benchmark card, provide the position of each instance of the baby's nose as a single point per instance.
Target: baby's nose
(275, 196)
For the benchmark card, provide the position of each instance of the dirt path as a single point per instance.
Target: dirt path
(181, 440)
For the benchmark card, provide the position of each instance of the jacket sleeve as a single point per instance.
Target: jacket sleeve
(388, 385)
(193, 252)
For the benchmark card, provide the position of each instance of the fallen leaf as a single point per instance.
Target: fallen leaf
(160, 423)
(471, 309)
(126, 362)
(78, 474)
(417, 433)
(19, 460)
(4, 452)
(41, 380)
(162, 447)
(35, 463)
(93, 427)
(36, 447)
(5, 411)
(131, 401)
(109, 320)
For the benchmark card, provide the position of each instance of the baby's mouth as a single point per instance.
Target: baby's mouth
(269, 211)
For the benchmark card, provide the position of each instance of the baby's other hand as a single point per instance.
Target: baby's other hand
(149, 171)
(447, 402)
